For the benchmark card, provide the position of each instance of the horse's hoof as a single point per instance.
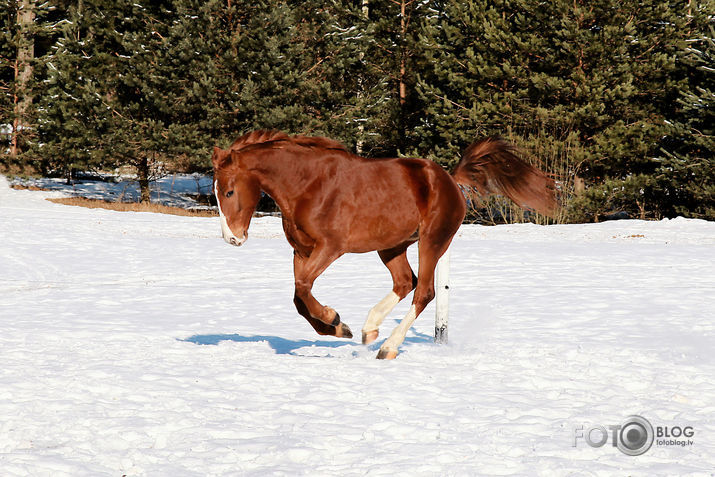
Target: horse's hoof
(343, 331)
(386, 354)
(369, 336)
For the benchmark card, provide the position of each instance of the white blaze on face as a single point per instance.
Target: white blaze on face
(226, 232)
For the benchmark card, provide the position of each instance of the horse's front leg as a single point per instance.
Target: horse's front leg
(325, 320)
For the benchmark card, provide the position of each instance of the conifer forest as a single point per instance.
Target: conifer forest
(614, 98)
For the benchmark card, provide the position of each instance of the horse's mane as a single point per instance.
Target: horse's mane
(318, 142)
(264, 137)
(257, 137)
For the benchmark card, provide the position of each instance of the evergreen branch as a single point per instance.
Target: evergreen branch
(309, 70)
(443, 98)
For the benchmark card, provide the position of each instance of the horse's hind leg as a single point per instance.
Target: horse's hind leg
(404, 281)
(430, 250)
(323, 319)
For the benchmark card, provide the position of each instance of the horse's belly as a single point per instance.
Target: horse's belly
(381, 233)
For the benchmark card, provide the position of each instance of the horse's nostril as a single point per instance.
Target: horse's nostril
(233, 241)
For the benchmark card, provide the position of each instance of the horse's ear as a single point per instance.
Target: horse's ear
(216, 156)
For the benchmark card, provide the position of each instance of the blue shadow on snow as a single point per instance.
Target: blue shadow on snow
(286, 346)
(279, 345)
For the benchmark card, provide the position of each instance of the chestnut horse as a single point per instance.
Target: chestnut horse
(334, 202)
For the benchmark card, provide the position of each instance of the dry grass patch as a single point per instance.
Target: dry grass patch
(132, 207)
(25, 187)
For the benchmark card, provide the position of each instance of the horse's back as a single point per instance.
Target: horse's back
(365, 204)
(384, 202)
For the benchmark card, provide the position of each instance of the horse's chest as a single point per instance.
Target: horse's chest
(297, 238)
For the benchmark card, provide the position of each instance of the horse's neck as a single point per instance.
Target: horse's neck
(282, 176)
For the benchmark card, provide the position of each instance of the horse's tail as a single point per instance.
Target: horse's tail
(491, 166)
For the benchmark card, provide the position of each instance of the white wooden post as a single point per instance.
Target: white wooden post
(442, 299)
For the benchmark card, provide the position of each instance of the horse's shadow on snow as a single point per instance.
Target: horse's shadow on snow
(279, 345)
(287, 346)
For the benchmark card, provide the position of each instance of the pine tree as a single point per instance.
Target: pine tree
(300, 67)
(347, 94)
(666, 169)
(392, 60)
(687, 172)
(257, 69)
(123, 89)
(355, 59)
(595, 78)
(613, 94)
(71, 103)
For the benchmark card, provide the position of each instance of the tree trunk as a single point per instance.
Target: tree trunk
(143, 173)
(579, 185)
(402, 79)
(360, 143)
(23, 74)
(403, 55)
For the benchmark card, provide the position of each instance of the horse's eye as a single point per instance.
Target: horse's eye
(229, 193)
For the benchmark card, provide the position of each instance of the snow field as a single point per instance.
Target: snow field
(142, 344)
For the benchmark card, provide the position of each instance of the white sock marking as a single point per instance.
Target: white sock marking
(399, 333)
(378, 312)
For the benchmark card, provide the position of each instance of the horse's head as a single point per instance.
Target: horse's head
(237, 194)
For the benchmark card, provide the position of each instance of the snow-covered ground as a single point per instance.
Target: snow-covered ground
(142, 344)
